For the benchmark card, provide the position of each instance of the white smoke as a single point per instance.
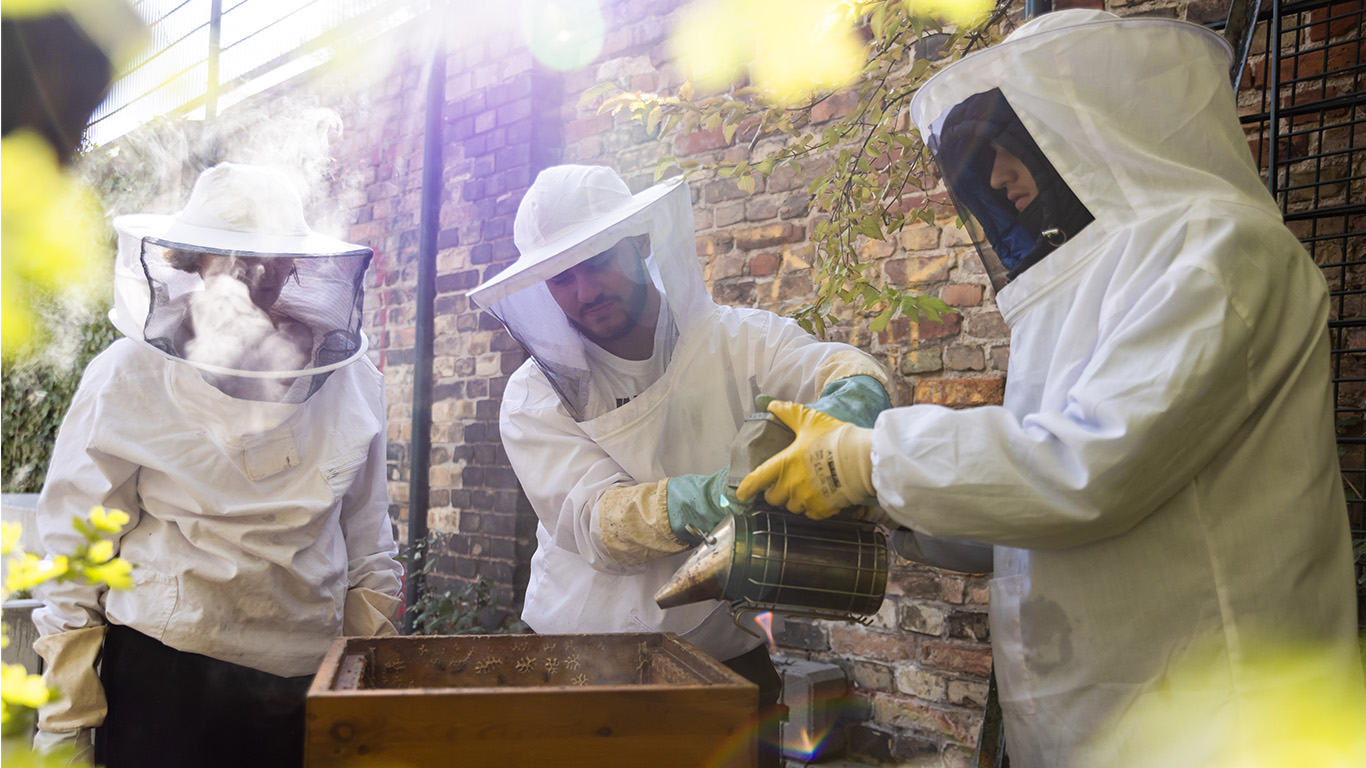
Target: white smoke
(232, 332)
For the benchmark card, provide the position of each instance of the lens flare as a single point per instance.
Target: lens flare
(563, 34)
(765, 620)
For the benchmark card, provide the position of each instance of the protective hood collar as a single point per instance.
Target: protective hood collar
(1135, 115)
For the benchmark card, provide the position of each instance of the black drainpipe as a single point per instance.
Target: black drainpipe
(420, 455)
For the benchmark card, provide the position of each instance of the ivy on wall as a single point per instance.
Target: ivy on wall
(36, 394)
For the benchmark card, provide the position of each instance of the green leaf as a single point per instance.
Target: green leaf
(663, 164)
(879, 323)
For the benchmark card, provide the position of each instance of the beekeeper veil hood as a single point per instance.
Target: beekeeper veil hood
(571, 214)
(239, 287)
(1113, 120)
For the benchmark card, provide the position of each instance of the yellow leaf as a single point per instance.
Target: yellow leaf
(101, 551)
(109, 521)
(28, 571)
(116, 573)
(9, 537)
(22, 8)
(51, 230)
(19, 688)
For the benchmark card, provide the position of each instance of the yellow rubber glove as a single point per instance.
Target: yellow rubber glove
(829, 466)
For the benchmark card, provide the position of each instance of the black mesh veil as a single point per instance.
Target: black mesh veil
(265, 327)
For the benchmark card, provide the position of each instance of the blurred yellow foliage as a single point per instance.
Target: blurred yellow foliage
(26, 571)
(961, 12)
(9, 536)
(792, 48)
(108, 520)
(93, 562)
(52, 229)
(23, 689)
(22, 8)
(1280, 706)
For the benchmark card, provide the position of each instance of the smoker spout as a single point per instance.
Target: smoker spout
(703, 575)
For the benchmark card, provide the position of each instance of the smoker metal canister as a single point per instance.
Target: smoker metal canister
(785, 562)
(790, 560)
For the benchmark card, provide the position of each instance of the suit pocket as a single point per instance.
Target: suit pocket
(339, 472)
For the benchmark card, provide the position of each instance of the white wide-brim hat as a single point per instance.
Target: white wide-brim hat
(570, 213)
(238, 209)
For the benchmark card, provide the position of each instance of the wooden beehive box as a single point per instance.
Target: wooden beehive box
(637, 700)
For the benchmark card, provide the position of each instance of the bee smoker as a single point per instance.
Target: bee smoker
(773, 560)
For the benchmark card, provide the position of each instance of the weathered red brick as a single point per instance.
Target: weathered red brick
(961, 393)
(764, 264)
(968, 658)
(836, 105)
(854, 640)
(713, 243)
(961, 295)
(768, 236)
(932, 717)
(580, 129)
(917, 270)
(699, 141)
(944, 327)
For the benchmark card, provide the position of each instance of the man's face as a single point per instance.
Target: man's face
(1011, 175)
(605, 297)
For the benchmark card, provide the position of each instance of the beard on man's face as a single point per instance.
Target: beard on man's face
(613, 317)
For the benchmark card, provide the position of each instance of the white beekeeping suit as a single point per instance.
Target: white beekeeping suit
(241, 428)
(1162, 474)
(578, 453)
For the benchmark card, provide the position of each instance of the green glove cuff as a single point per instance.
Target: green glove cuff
(856, 400)
(701, 501)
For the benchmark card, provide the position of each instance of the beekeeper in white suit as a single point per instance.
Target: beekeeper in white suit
(620, 424)
(241, 428)
(1162, 476)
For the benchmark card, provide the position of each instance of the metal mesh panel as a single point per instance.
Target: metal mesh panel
(1305, 114)
(787, 561)
(204, 55)
(286, 316)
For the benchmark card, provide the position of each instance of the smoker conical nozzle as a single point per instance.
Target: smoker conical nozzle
(704, 575)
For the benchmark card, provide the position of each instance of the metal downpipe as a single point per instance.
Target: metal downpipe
(419, 489)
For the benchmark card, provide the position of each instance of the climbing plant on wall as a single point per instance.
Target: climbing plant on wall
(880, 180)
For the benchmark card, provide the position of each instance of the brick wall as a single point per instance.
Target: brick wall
(500, 126)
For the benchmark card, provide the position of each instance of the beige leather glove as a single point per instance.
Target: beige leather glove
(634, 521)
(850, 362)
(77, 746)
(69, 660)
(368, 613)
